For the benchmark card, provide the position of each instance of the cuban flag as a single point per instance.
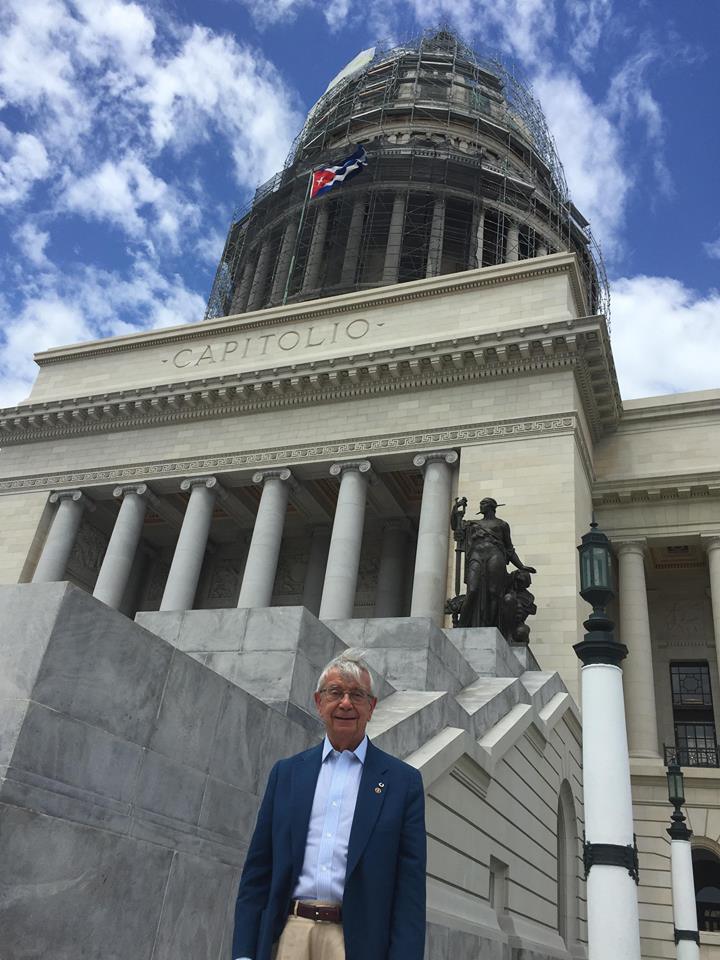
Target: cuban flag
(327, 178)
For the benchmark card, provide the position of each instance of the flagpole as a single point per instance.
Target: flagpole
(297, 237)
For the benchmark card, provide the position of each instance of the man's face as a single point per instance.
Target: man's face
(345, 720)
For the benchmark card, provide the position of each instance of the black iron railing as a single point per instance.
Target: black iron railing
(705, 756)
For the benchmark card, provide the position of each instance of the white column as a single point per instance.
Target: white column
(479, 237)
(435, 245)
(315, 572)
(635, 634)
(394, 562)
(394, 240)
(257, 291)
(240, 299)
(317, 249)
(338, 596)
(683, 898)
(612, 907)
(512, 242)
(189, 553)
(431, 560)
(262, 559)
(712, 545)
(284, 259)
(122, 548)
(352, 247)
(61, 536)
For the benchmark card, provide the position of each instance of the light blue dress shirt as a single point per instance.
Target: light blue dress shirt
(323, 871)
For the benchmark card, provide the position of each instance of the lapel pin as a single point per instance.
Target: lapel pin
(379, 788)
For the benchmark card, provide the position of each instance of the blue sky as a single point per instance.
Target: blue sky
(129, 131)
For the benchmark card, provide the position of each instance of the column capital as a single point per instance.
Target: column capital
(210, 482)
(77, 496)
(422, 459)
(284, 474)
(710, 542)
(363, 467)
(141, 489)
(636, 547)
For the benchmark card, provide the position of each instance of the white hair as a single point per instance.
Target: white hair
(351, 666)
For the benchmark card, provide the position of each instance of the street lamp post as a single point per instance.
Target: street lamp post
(683, 884)
(610, 853)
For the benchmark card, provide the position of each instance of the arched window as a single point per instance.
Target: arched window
(567, 866)
(706, 871)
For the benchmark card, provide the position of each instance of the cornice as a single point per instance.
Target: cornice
(643, 490)
(366, 300)
(574, 344)
(422, 441)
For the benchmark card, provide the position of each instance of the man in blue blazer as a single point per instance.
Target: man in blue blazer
(336, 866)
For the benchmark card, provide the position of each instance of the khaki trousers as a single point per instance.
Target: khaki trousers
(304, 939)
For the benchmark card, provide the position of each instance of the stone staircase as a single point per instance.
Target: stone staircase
(133, 754)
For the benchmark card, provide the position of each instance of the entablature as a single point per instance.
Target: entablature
(580, 345)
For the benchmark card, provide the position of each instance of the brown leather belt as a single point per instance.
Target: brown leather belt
(298, 908)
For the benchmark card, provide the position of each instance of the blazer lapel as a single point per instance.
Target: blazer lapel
(368, 806)
(304, 780)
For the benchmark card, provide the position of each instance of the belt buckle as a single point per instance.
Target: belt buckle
(317, 913)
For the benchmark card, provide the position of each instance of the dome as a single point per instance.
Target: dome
(462, 173)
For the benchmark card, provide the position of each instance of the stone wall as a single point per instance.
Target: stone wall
(131, 771)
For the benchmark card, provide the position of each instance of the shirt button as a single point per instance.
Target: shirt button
(328, 834)
(334, 803)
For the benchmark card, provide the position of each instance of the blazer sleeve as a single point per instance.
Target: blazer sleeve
(407, 924)
(256, 877)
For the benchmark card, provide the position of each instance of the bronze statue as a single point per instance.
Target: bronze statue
(516, 606)
(493, 598)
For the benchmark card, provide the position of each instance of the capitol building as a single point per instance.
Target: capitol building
(195, 519)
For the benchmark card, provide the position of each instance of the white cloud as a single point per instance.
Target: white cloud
(666, 337)
(591, 149)
(267, 12)
(23, 160)
(88, 303)
(214, 87)
(587, 20)
(119, 192)
(32, 242)
(712, 249)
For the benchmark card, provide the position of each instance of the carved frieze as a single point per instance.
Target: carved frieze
(87, 554)
(225, 580)
(366, 446)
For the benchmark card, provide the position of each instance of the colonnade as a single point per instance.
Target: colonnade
(334, 551)
(254, 289)
(634, 628)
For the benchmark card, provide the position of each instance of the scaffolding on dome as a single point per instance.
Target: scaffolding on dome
(463, 173)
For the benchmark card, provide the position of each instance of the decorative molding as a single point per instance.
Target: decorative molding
(450, 457)
(571, 344)
(643, 490)
(422, 289)
(442, 437)
(363, 467)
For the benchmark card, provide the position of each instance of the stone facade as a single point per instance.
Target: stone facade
(501, 367)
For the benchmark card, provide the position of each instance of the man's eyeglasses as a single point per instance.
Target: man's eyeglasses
(356, 695)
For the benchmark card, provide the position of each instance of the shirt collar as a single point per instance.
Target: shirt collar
(360, 750)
